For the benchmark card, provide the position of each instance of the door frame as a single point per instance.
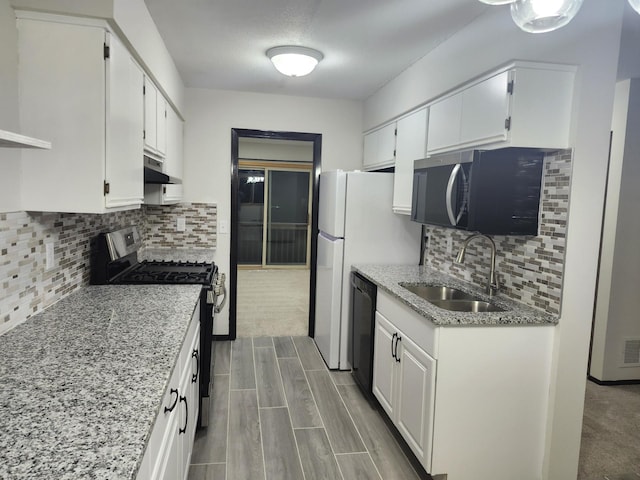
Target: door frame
(316, 139)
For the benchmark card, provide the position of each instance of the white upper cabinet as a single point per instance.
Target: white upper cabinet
(485, 108)
(444, 127)
(124, 143)
(172, 165)
(380, 148)
(80, 89)
(524, 105)
(155, 120)
(150, 93)
(411, 145)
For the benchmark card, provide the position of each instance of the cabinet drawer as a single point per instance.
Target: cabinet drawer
(415, 326)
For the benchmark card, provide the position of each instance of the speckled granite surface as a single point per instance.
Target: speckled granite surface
(177, 254)
(389, 277)
(82, 381)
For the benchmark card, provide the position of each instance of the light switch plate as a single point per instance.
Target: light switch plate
(181, 224)
(449, 246)
(223, 226)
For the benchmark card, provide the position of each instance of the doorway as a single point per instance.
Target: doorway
(274, 216)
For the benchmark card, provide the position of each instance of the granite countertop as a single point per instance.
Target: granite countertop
(178, 254)
(388, 277)
(82, 381)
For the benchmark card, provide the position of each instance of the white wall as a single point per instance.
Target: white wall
(9, 112)
(211, 114)
(618, 302)
(592, 42)
(268, 149)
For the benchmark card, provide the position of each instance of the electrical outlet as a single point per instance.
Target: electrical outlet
(181, 224)
(223, 226)
(449, 246)
(50, 259)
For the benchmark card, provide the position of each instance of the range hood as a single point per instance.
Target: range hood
(153, 173)
(155, 177)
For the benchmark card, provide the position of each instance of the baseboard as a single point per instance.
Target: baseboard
(613, 382)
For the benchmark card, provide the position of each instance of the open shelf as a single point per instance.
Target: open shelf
(15, 140)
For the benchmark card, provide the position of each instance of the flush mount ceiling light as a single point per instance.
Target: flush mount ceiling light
(539, 16)
(635, 4)
(294, 61)
(497, 2)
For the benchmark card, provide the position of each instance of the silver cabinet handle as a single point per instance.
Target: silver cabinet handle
(452, 180)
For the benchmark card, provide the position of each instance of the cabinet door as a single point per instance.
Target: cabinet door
(173, 163)
(444, 124)
(188, 404)
(170, 458)
(485, 107)
(62, 98)
(384, 364)
(124, 163)
(150, 114)
(411, 144)
(379, 148)
(415, 398)
(161, 124)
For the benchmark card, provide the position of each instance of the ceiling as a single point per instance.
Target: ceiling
(221, 44)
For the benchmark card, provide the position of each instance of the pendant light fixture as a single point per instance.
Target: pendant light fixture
(294, 61)
(635, 4)
(539, 16)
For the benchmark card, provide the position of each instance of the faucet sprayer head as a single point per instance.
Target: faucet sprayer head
(460, 257)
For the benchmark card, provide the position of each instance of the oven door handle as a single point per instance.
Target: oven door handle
(217, 307)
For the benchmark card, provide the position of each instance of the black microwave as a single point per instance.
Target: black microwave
(496, 192)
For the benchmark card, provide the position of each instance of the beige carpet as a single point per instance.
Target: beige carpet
(272, 303)
(610, 445)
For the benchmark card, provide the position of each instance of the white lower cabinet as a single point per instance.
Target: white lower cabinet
(470, 401)
(416, 388)
(170, 445)
(403, 382)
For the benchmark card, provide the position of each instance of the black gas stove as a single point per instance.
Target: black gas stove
(114, 260)
(147, 271)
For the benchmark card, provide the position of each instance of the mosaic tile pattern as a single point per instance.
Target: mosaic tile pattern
(530, 268)
(160, 226)
(28, 288)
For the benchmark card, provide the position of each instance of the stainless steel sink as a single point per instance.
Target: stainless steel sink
(450, 298)
(475, 306)
(437, 292)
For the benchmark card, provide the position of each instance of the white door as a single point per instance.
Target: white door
(415, 397)
(333, 187)
(411, 144)
(384, 364)
(329, 298)
(485, 107)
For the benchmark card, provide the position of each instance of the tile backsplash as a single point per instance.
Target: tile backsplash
(27, 287)
(530, 269)
(160, 226)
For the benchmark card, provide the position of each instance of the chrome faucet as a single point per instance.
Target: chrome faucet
(493, 286)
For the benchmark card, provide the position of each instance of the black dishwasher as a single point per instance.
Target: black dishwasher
(363, 310)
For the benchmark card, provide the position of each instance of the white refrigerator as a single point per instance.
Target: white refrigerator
(356, 225)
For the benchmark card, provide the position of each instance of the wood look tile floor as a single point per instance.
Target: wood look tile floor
(279, 414)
